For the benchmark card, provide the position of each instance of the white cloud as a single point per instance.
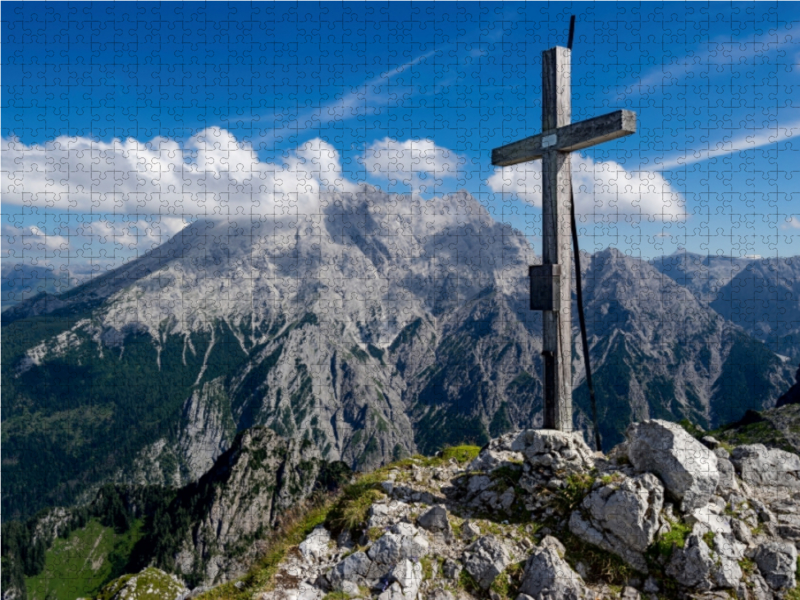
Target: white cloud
(212, 174)
(791, 223)
(604, 189)
(420, 164)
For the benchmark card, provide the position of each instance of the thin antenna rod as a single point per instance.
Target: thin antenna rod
(571, 31)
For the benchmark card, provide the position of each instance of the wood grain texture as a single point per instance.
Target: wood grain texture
(575, 136)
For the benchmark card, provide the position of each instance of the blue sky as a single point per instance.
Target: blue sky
(411, 97)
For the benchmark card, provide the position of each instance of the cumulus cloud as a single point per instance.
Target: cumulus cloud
(604, 189)
(420, 164)
(212, 174)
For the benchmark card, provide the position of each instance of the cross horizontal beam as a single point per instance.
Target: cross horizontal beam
(568, 138)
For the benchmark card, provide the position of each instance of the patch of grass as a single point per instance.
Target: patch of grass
(462, 454)
(708, 538)
(569, 497)
(675, 537)
(373, 533)
(337, 596)
(613, 478)
(83, 563)
(505, 477)
(349, 513)
(467, 583)
(748, 566)
(602, 566)
(427, 568)
(507, 583)
(691, 428)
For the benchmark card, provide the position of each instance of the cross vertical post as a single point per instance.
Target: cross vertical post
(556, 206)
(551, 281)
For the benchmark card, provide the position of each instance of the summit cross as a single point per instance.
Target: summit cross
(551, 281)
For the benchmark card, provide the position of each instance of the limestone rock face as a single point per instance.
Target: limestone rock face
(485, 559)
(554, 450)
(621, 517)
(548, 576)
(246, 491)
(760, 467)
(777, 562)
(687, 468)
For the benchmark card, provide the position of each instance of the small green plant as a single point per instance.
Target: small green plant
(507, 583)
(613, 478)
(350, 512)
(467, 583)
(708, 538)
(675, 537)
(427, 568)
(576, 487)
(373, 533)
(748, 566)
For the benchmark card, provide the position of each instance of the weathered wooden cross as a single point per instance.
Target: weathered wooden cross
(551, 281)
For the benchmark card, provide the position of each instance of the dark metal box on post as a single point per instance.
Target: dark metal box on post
(545, 286)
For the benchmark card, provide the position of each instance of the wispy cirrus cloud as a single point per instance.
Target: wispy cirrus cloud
(718, 54)
(358, 101)
(742, 143)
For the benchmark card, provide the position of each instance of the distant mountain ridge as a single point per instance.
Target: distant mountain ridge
(380, 327)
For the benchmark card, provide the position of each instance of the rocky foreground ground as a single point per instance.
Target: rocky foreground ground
(538, 515)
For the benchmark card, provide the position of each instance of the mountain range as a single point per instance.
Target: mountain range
(381, 326)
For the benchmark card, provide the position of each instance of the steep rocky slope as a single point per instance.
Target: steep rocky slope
(537, 514)
(206, 532)
(380, 327)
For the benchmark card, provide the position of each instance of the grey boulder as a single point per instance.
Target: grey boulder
(777, 562)
(435, 520)
(691, 566)
(409, 576)
(621, 517)
(555, 450)
(760, 466)
(687, 468)
(317, 545)
(353, 568)
(485, 559)
(547, 576)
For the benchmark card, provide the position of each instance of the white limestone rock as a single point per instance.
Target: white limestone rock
(555, 450)
(317, 545)
(687, 468)
(548, 576)
(485, 559)
(777, 562)
(621, 517)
